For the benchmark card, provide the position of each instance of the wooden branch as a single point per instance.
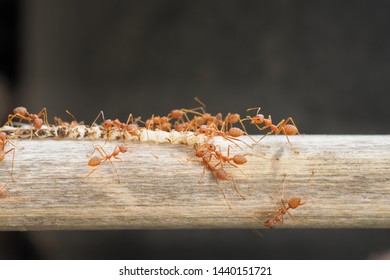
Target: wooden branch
(161, 185)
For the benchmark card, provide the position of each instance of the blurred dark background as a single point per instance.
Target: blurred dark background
(326, 63)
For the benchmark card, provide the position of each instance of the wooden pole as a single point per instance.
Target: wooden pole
(161, 185)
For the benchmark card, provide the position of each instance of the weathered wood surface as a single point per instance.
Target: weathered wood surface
(160, 185)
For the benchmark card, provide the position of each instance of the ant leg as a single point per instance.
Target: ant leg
(93, 170)
(200, 102)
(17, 115)
(100, 114)
(280, 127)
(70, 114)
(246, 133)
(130, 118)
(290, 119)
(206, 163)
(223, 193)
(116, 171)
(44, 113)
(283, 187)
(265, 135)
(116, 150)
(232, 139)
(236, 187)
(12, 164)
(100, 149)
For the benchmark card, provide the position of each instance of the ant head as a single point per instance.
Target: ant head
(203, 129)
(258, 119)
(270, 224)
(107, 123)
(211, 147)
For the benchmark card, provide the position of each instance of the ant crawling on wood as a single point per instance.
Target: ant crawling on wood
(207, 152)
(98, 161)
(292, 203)
(283, 126)
(35, 120)
(109, 125)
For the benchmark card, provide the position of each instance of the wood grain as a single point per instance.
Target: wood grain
(161, 185)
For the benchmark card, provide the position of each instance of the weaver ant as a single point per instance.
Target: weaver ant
(283, 126)
(3, 152)
(292, 203)
(207, 152)
(109, 124)
(98, 161)
(161, 123)
(34, 119)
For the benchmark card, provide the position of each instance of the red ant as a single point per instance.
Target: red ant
(98, 161)
(3, 152)
(292, 203)
(34, 119)
(108, 124)
(282, 127)
(161, 123)
(219, 173)
(206, 152)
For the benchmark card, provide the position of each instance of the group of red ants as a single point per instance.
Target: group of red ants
(195, 120)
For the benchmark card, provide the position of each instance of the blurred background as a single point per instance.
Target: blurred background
(324, 63)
